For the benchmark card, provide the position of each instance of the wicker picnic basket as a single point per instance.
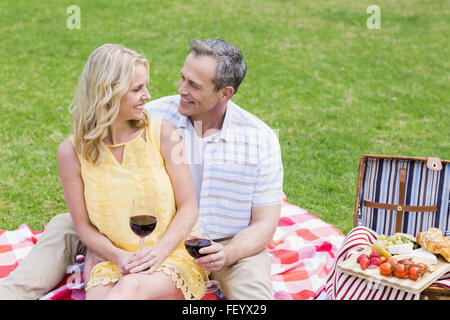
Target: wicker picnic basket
(404, 194)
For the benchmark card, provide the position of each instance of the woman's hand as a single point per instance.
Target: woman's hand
(146, 261)
(122, 260)
(91, 259)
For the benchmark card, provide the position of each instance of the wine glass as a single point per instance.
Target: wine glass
(193, 244)
(143, 218)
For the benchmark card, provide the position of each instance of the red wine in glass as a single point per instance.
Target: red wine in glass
(142, 218)
(143, 225)
(194, 245)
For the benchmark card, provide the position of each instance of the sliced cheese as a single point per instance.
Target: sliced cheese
(400, 248)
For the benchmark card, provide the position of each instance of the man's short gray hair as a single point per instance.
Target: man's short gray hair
(231, 68)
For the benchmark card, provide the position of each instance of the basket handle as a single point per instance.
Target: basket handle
(400, 207)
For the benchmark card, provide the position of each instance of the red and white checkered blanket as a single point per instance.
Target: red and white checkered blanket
(341, 286)
(302, 253)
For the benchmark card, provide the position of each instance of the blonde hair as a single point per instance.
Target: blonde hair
(105, 79)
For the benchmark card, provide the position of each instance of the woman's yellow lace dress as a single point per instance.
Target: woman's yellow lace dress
(109, 189)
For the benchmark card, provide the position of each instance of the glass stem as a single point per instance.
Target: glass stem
(208, 283)
(141, 244)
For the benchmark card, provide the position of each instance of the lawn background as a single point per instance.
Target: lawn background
(333, 88)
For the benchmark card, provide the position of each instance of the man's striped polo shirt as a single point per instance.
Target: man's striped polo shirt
(242, 168)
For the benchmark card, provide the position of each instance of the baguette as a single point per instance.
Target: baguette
(433, 241)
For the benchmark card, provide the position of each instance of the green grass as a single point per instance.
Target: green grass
(333, 88)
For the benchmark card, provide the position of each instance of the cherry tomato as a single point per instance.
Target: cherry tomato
(405, 261)
(392, 261)
(414, 272)
(385, 269)
(423, 268)
(400, 270)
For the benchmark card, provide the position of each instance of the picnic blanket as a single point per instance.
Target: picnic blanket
(341, 286)
(302, 253)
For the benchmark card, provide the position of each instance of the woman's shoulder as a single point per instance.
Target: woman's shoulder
(66, 146)
(167, 125)
(168, 131)
(160, 128)
(66, 150)
(158, 121)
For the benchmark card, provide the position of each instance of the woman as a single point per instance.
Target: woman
(116, 153)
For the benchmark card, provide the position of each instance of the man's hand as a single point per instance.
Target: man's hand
(215, 259)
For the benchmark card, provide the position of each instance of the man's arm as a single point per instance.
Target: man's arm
(256, 237)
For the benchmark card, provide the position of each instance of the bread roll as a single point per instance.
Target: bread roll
(433, 241)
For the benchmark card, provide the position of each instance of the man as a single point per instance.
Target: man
(235, 161)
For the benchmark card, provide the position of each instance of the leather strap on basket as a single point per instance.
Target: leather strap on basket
(400, 207)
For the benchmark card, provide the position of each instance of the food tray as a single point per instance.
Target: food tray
(350, 266)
